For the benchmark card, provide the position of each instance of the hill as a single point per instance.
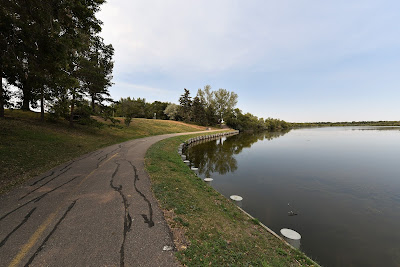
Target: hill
(29, 147)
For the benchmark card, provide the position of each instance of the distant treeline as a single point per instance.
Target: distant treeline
(207, 108)
(352, 123)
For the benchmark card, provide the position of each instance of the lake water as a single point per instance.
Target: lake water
(343, 182)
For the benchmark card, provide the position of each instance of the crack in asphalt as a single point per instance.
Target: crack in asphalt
(147, 220)
(44, 183)
(17, 227)
(127, 216)
(69, 164)
(66, 166)
(102, 158)
(51, 233)
(36, 199)
(101, 151)
(42, 178)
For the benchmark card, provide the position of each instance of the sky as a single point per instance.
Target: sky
(296, 60)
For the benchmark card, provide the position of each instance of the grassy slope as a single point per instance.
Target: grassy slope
(29, 147)
(208, 229)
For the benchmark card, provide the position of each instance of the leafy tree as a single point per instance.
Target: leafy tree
(207, 98)
(158, 108)
(198, 111)
(39, 40)
(95, 71)
(172, 111)
(225, 102)
(132, 108)
(9, 44)
(185, 102)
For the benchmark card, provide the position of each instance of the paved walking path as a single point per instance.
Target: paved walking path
(97, 210)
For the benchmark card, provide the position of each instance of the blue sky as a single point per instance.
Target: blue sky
(294, 60)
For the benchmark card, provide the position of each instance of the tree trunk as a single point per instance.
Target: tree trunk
(71, 118)
(93, 99)
(41, 104)
(1, 98)
(27, 96)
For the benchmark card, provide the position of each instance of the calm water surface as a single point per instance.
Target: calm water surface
(344, 183)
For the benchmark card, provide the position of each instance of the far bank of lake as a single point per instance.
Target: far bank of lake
(343, 182)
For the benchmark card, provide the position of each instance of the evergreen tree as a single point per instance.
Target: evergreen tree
(185, 102)
(198, 111)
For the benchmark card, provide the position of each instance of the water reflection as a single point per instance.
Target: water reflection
(342, 182)
(218, 156)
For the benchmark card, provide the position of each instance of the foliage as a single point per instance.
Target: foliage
(185, 102)
(243, 122)
(127, 120)
(51, 51)
(139, 108)
(172, 111)
(95, 72)
(207, 98)
(215, 107)
(158, 109)
(199, 112)
(225, 102)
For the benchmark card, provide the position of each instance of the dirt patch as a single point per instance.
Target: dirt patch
(178, 231)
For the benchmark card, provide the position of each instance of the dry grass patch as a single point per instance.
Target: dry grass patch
(29, 147)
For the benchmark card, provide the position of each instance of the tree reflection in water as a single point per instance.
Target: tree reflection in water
(218, 155)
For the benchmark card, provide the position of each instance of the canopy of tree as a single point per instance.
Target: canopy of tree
(50, 50)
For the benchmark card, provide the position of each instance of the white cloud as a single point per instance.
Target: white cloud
(123, 89)
(208, 36)
(293, 46)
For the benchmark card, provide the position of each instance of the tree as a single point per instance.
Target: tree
(185, 102)
(172, 111)
(8, 46)
(38, 39)
(96, 71)
(158, 108)
(207, 98)
(225, 102)
(5, 96)
(198, 111)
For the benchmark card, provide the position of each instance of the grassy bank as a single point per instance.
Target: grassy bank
(29, 147)
(209, 230)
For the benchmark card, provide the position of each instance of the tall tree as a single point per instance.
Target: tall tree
(42, 36)
(207, 98)
(225, 102)
(198, 111)
(172, 111)
(10, 43)
(158, 108)
(95, 72)
(185, 102)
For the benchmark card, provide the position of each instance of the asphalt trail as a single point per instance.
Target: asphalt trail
(96, 210)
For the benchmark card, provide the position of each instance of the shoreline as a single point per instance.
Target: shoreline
(217, 228)
(207, 138)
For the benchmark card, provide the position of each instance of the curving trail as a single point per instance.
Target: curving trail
(97, 210)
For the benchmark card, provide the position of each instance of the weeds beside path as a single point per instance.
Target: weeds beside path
(209, 230)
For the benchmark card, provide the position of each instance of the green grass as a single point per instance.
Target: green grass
(29, 147)
(209, 230)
